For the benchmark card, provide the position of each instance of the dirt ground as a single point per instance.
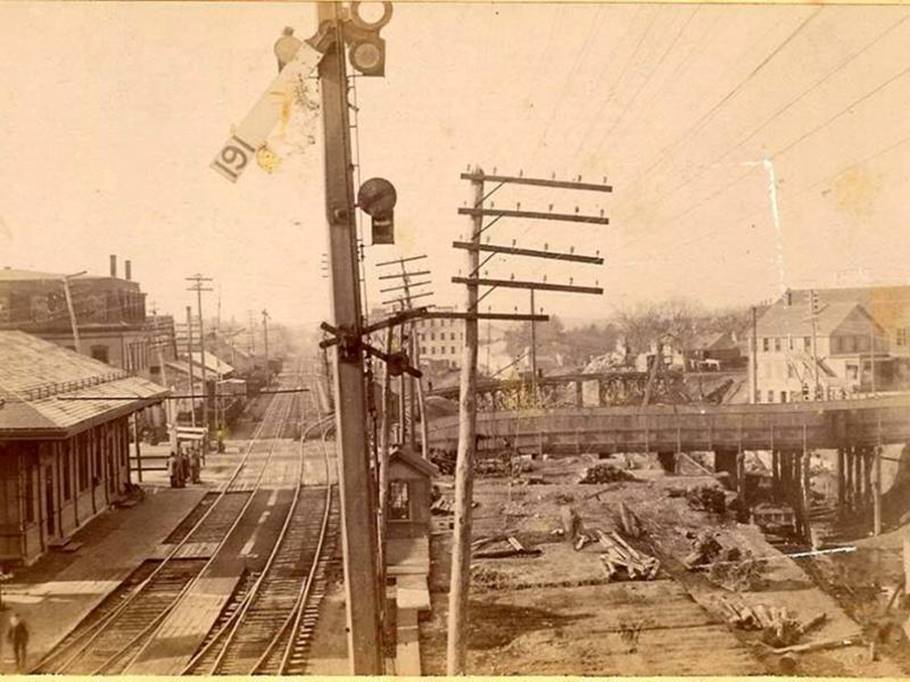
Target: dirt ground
(558, 614)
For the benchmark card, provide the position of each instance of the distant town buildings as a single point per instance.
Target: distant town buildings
(441, 341)
(857, 341)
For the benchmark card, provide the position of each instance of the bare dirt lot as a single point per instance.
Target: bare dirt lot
(558, 613)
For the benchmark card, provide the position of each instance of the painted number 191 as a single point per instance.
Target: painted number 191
(233, 158)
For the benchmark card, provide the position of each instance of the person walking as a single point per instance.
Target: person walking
(172, 465)
(17, 633)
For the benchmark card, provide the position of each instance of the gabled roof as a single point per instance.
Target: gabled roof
(888, 305)
(212, 363)
(38, 379)
(407, 456)
(782, 319)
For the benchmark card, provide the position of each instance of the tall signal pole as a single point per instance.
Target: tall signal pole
(198, 279)
(358, 497)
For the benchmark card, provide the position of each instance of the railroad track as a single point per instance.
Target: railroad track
(113, 635)
(267, 627)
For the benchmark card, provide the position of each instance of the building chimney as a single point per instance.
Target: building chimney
(127, 269)
(113, 265)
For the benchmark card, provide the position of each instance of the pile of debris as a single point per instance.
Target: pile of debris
(778, 626)
(728, 567)
(442, 507)
(707, 498)
(619, 555)
(604, 472)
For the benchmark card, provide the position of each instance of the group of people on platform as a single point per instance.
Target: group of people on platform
(183, 466)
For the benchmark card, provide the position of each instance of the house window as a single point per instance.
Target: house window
(789, 342)
(399, 501)
(433, 336)
(901, 337)
(862, 343)
(453, 350)
(100, 353)
(783, 396)
(849, 344)
(452, 336)
(758, 396)
(770, 396)
(423, 350)
(777, 344)
(766, 344)
(432, 350)
(807, 343)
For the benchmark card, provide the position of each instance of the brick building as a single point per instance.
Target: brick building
(109, 314)
(61, 461)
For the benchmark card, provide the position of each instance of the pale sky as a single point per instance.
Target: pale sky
(110, 114)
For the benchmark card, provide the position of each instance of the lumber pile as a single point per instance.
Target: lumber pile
(604, 472)
(779, 627)
(619, 556)
(442, 507)
(509, 547)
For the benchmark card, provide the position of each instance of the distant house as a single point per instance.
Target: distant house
(719, 350)
(61, 461)
(836, 351)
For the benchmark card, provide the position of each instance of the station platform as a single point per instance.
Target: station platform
(56, 592)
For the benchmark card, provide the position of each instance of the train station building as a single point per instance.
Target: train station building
(64, 441)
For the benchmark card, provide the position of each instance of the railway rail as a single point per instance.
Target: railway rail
(267, 628)
(114, 635)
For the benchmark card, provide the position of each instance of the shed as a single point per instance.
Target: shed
(410, 486)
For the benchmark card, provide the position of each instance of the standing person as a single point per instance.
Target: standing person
(196, 466)
(18, 636)
(172, 468)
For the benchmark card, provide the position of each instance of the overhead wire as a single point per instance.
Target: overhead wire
(842, 64)
(664, 153)
(777, 154)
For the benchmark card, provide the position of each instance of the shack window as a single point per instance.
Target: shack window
(399, 501)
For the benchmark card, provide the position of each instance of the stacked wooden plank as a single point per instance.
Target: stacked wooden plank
(779, 627)
(620, 556)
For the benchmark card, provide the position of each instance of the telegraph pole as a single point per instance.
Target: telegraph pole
(198, 279)
(754, 358)
(265, 336)
(533, 353)
(456, 651)
(189, 353)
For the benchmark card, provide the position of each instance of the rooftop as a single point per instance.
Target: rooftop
(781, 319)
(38, 380)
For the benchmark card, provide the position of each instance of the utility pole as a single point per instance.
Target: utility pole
(198, 288)
(189, 359)
(252, 343)
(754, 356)
(533, 354)
(265, 336)
(72, 312)
(456, 650)
(815, 308)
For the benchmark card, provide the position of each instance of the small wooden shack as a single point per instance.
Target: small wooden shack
(410, 488)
